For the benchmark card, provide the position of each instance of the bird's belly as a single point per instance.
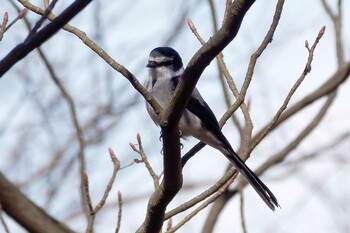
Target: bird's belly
(189, 124)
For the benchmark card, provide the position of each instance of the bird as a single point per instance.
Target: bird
(165, 68)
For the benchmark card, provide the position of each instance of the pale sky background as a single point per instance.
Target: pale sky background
(129, 31)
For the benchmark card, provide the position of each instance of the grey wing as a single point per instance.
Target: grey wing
(201, 109)
(148, 84)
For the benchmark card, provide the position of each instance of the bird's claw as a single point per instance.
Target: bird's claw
(161, 136)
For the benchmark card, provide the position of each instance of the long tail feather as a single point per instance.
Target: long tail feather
(263, 191)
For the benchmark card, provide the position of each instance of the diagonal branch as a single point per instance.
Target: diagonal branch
(281, 155)
(332, 84)
(25, 212)
(306, 70)
(36, 39)
(101, 53)
(73, 113)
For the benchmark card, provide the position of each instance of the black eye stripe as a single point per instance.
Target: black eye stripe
(164, 63)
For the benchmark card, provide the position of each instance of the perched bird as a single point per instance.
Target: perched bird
(198, 120)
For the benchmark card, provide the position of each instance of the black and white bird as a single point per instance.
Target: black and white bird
(165, 70)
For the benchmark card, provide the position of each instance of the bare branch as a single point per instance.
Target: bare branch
(220, 205)
(232, 172)
(41, 20)
(337, 23)
(339, 77)
(2, 220)
(94, 211)
(273, 161)
(73, 113)
(116, 164)
(241, 210)
(170, 224)
(34, 41)
(25, 212)
(120, 207)
(144, 158)
(306, 70)
(101, 53)
(87, 192)
(46, 3)
(254, 57)
(281, 155)
(211, 199)
(328, 10)
(3, 25)
(177, 27)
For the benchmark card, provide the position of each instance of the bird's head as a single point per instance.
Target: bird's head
(165, 58)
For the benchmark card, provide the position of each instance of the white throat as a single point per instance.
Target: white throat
(164, 72)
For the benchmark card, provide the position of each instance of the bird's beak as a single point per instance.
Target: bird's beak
(151, 64)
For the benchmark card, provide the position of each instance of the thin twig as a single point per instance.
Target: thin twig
(144, 158)
(169, 225)
(306, 70)
(116, 164)
(232, 172)
(204, 204)
(38, 24)
(321, 150)
(87, 192)
(328, 10)
(128, 165)
(241, 210)
(177, 27)
(19, 16)
(38, 38)
(2, 220)
(94, 211)
(46, 3)
(120, 207)
(3, 25)
(329, 86)
(337, 24)
(101, 53)
(280, 156)
(73, 113)
(266, 41)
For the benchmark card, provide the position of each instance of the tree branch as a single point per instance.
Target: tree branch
(25, 212)
(306, 70)
(37, 38)
(101, 53)
(329, 86)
